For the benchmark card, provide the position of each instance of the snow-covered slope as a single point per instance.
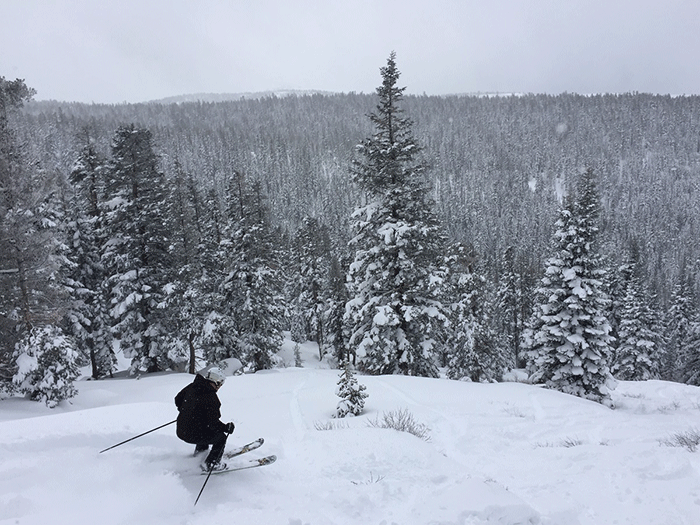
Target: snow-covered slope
(499, 453)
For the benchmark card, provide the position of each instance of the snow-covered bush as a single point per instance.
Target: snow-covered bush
(46, 366)
(352, 394)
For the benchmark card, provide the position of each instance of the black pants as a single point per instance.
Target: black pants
(217, 442)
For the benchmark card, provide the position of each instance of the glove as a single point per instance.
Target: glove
(230, 427)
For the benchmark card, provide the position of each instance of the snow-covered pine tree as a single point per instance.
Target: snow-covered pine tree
(568, 341)
(474, 350)
(395, 317)
(253, 302)
(678, 330)
(87, 317)
(46, 366)
(310, 259)
(461, 355)
(16, 227)
(191, 294)
(31, 237)
(351, 393)
(638, 354)
(203, 314)
(512, 304)
(298, 363)
(135, 251)
(683, 336)
(690, 356)
(334, 326)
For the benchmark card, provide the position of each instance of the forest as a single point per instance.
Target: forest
(182, 233)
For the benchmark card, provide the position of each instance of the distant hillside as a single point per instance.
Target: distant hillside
(499, 163)
(227, 97)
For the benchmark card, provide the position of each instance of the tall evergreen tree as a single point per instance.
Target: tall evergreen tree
(87, 318)
(568, 341)
(690, 357)
(638, 354)
(678, 331)
(191, 294)
(310, 258)
(253, 303)
(204, 312)
(512, 305)
(31, 295)
(135, 252)
(475, 352)
(393, 311)
(335, 339)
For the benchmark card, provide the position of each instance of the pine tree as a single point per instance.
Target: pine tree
(394, 315)
(512, 305)
(683, 337)
(87, 318)
(335, 339)
(678, 331)
(253, 303)
(191, 294)
(474, 350)
(568, 341)
(690, 357)
(31, 262)
(201, 312)
(351, 393)
(135, 251)
(46, 366)
(311, 264)
(637, 356)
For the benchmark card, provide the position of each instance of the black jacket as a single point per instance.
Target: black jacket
(199, 417)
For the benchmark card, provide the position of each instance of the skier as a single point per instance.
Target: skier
(199, 420)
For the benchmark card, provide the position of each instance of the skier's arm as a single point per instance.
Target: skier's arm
(178, 400)
(213, 418)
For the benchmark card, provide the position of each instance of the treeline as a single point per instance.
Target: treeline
(498, 164)
(199, 231)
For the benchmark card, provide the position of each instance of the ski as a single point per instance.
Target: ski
(253, 463)
(243, 449)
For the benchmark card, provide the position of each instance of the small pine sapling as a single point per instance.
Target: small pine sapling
(352, 394)
(297, 356)
(47, 366)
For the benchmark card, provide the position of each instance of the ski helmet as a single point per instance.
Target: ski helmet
(215, 375)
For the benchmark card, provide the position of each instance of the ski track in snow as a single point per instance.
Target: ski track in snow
(295, 411)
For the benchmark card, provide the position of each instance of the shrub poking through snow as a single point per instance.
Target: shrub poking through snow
(403, 421)
(46, 366)
(330, 425)
(352, 394)
(688, 440)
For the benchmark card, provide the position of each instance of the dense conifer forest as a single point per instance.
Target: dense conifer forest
(242, 220)
(499, 164)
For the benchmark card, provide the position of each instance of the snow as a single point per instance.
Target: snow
(506, 453)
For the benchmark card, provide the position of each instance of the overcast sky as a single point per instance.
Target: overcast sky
(139, 50)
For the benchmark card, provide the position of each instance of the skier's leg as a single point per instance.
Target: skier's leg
(201, 447)
(218, 443)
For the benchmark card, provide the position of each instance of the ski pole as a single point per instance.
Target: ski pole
(205, 483)
(211, 467)
(131, 439)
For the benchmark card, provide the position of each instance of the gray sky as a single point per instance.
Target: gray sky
(137, 50)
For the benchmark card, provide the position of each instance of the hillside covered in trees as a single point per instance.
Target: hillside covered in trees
(498, 164)
(200, 230)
